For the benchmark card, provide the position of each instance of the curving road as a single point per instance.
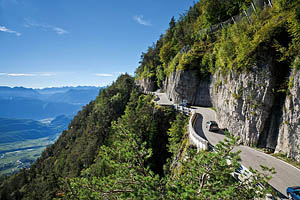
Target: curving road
(287, 175)
(162, 99)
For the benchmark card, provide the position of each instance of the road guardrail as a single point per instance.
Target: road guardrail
(195, 139)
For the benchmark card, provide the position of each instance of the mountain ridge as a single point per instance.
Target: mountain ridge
(46, 103)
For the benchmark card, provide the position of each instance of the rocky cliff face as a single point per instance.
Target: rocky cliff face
(251, 104)
(289, 132)
(145, 84)
(186, 85)
(243, 102)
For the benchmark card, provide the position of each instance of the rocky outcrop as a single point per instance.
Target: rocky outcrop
(250, 104)
(145, 84)
(185, 85)
(289, 132)
(243, 102)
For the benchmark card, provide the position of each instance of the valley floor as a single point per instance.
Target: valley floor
(17, 155)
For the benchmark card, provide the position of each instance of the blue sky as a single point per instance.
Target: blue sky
(47, 43)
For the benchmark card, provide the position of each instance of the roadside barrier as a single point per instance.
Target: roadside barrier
(195, 139)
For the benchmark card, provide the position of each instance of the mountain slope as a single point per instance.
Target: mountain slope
(115, 147)
(44, 103)
(75, 149)
(240, 57)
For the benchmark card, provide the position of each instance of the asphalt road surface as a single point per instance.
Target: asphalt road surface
(286, 174)
(162, 99)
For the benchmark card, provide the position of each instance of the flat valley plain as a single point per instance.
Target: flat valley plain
(17, 155)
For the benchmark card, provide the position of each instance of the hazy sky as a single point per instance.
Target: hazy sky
(45, 43)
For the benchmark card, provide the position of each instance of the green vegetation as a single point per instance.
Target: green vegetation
(209, 176)
(131, 164)
(176, 133)
(285, 158)
(126, 168)
(75, 149)
(122, 146)
(205, 175)
(238, 47)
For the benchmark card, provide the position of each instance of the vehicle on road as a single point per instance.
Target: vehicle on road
(212, 126)
(293, 192)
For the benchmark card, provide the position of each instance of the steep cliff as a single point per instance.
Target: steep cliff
(252, 104)
(243, 102)
(145, 84)
(247, 60)
(187, 85)
(289, 132)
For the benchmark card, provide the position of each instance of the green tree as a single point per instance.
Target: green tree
(209, 175)
(124, 165)
(176, 133)
(204, 175)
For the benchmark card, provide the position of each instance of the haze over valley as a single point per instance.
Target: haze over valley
(31, 119)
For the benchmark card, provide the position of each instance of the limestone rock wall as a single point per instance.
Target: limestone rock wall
(243, 102)
(145, 84)
(186, 85)
(289, 132)
(248, 104)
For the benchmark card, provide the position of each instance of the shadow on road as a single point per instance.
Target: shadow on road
(198, 126)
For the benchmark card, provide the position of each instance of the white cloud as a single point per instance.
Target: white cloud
(26, 74)
(58, 30)
(47, 74)
(16, 74)
(104, 75)
(139, 19)
(4, 29)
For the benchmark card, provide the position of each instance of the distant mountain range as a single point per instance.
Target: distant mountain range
(28, 103)
(14, 130)
(31, 119)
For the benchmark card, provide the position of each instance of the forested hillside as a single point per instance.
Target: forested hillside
(194, 42)
(75, 149)
(123, 146)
